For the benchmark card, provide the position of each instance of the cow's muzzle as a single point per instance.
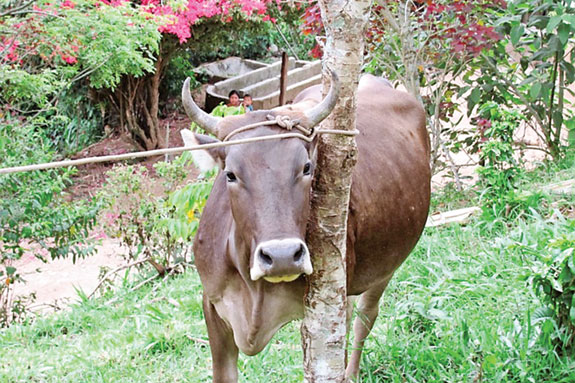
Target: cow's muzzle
(282, 260)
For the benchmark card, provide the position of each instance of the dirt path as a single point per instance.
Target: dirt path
(56, 282)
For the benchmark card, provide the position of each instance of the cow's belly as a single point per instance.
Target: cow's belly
(256, 312)
(375, 264)
(385, 222)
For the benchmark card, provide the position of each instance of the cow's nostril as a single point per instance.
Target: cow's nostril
(299, 254)
(266, 258)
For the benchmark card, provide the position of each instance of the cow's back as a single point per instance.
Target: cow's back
(391, 182)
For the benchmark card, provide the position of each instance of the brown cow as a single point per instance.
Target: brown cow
(250, 247)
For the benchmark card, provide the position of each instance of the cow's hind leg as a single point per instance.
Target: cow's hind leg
(222, 345)
(368, 309)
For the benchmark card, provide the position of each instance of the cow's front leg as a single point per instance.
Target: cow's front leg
(222, 345)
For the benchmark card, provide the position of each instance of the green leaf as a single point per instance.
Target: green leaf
(491, 360)
(516, 33)
(555, 44)
(556, 285)
(571, 261)
(569, 70)
(569, 19)
(475, 95)
(563, 32)
(535, 90)
(553, 22)
(547, 327)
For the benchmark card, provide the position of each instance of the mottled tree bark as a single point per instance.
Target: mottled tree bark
(324, 326)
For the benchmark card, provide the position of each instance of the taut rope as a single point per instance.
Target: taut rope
(283, 121)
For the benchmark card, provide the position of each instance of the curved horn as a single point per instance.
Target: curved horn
(324, 108)
(206, 121)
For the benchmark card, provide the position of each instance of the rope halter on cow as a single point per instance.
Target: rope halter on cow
(288, 124)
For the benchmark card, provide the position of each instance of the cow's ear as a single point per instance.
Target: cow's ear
(312, 150)
(204, 159)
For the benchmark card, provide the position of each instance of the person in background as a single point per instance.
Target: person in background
(233, 107)
(234, 98)
(247, 103)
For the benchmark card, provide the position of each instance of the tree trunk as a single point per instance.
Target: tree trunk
(137, 103)
(324, 326)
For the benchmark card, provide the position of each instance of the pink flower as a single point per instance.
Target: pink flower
(69, 59)
(11, 46)
(68, 4)
(483, 123)
(112, 217)
(113, 3)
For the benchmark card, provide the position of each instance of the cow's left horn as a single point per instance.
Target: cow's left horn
(324, 108)
(206, 121)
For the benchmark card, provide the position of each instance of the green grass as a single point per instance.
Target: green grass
(460, 309)
(143, 337)
(137, 339)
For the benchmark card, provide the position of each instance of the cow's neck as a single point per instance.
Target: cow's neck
(255, 309)
(239, 252)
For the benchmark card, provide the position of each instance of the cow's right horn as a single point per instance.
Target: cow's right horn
(324, 108)
(206, 121)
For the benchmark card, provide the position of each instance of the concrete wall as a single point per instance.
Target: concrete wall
(263, 84)
(230, 67)
(266, 93)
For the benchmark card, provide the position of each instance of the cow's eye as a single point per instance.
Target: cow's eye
(231, 177)
(307, 169)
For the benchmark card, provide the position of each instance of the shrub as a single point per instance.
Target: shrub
(501, 171)
(554, 281)
(35, 211)
(52, 52)
(155, 218)
(531, 68)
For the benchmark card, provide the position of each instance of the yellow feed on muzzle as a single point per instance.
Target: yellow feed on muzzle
(284, 278)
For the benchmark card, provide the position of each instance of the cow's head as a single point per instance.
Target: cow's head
(268, 183)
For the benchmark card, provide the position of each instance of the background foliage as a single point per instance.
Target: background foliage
(531, 68)
(456, 55)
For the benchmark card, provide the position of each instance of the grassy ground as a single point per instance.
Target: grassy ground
(460, 309)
